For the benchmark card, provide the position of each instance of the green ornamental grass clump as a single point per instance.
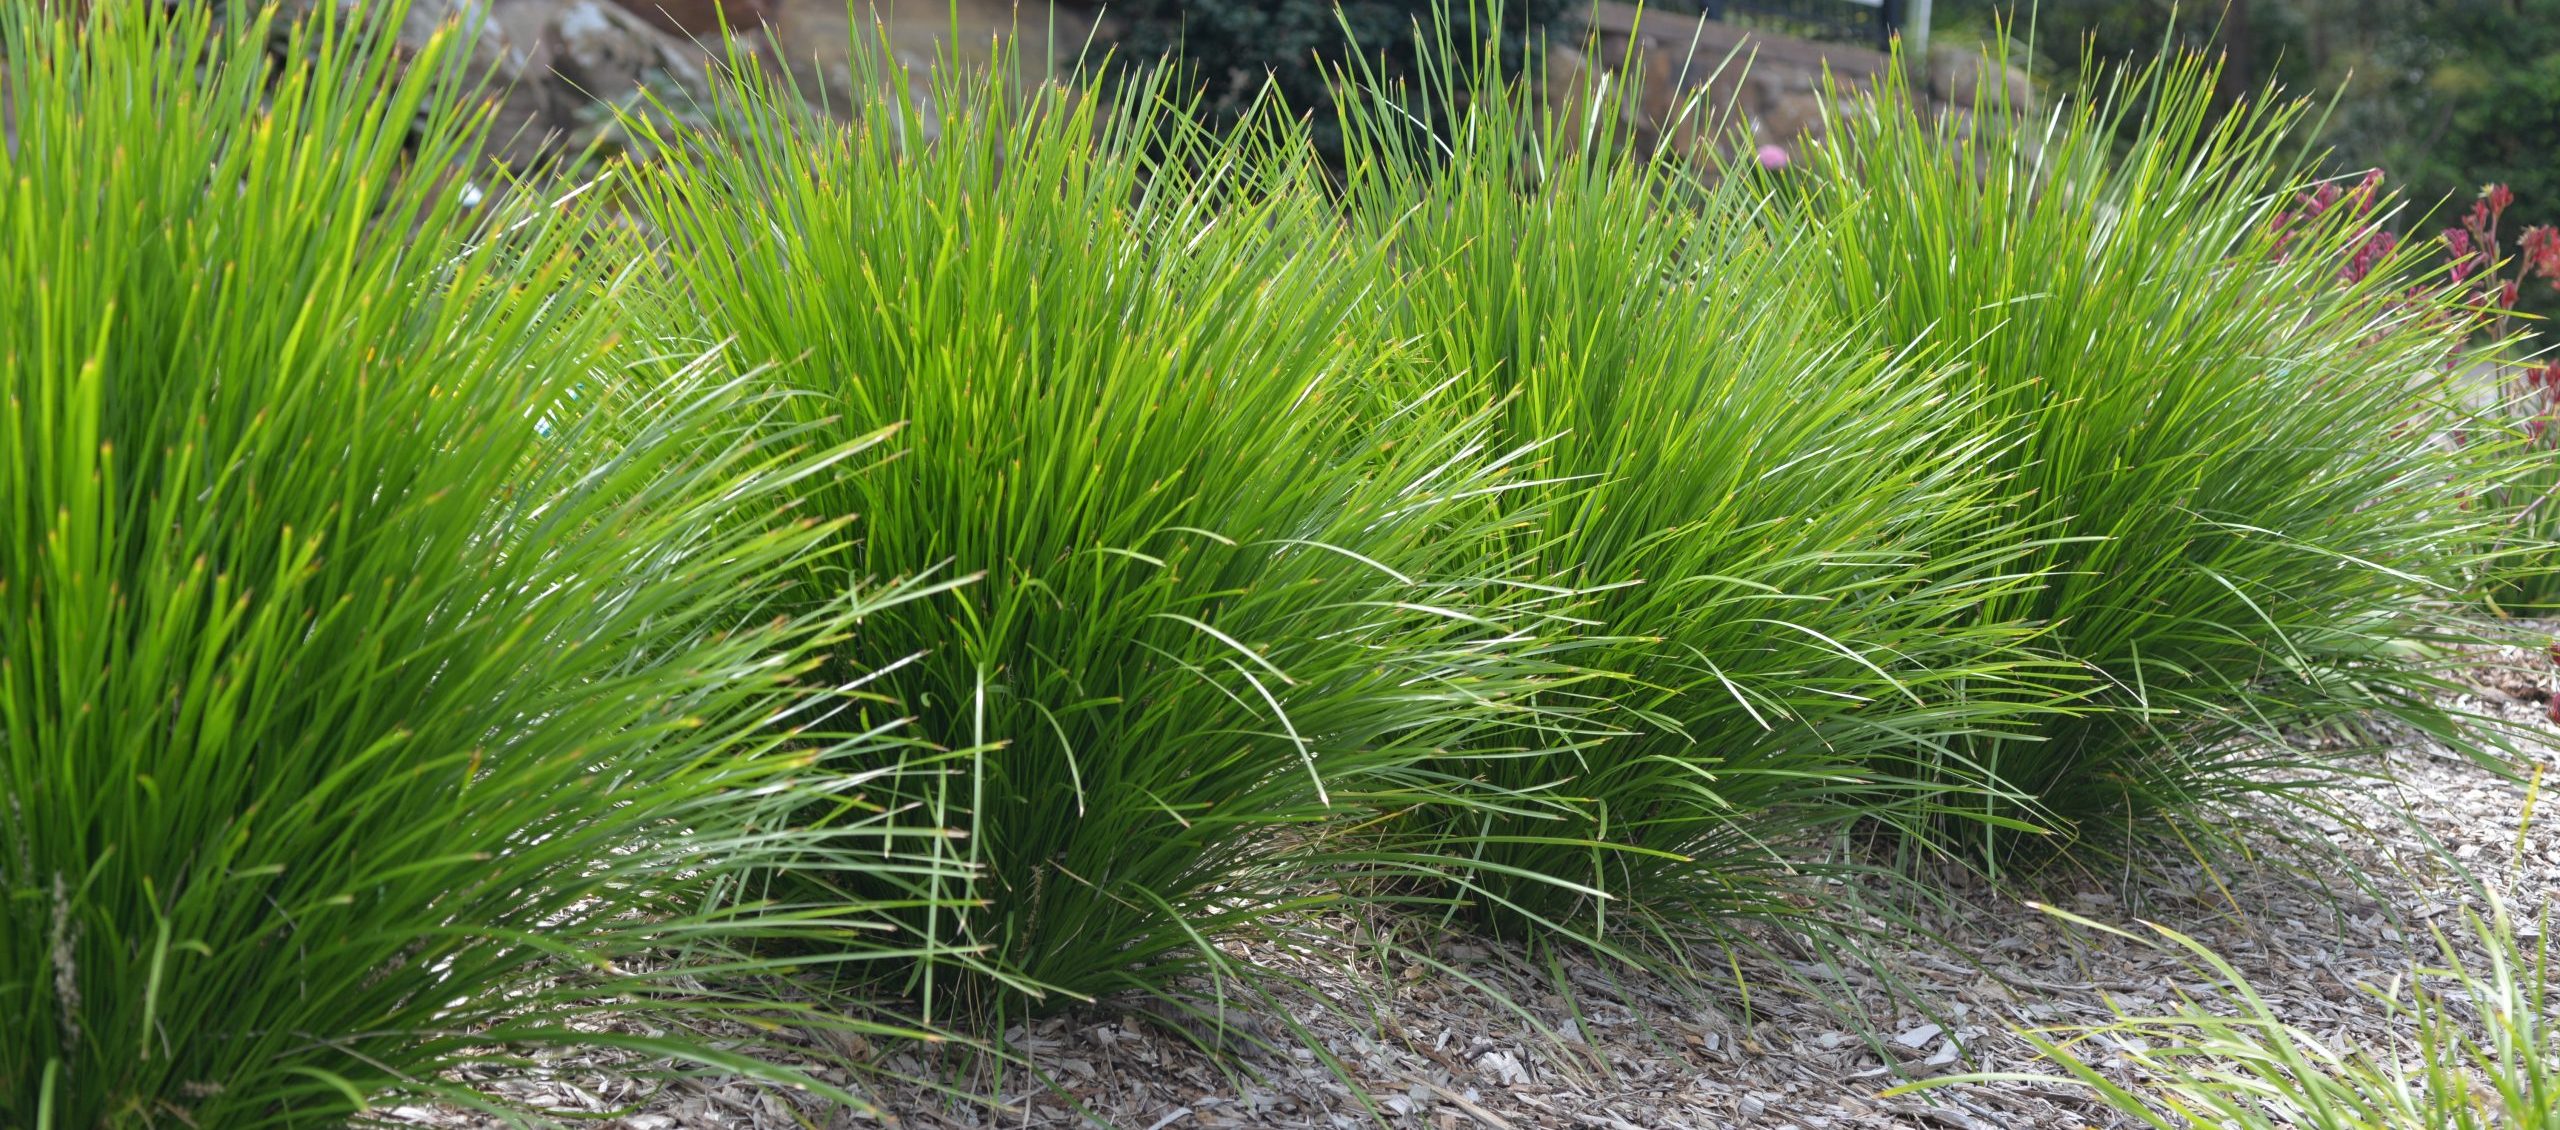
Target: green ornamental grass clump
(1224, 608)
(367, 705)
(2526, 580)
(2494, 282)
(2236, 439)
(1787, 532)
(436, 623)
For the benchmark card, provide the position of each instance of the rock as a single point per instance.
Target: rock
(815, 37)
(603, 49)
(1564, 75)
(1956, 78)
(1699, 86)
(1785, 103)
(700, 19)
(562, 68)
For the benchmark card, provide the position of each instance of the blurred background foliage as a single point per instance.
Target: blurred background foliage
(1228, 46)
(2443, 95)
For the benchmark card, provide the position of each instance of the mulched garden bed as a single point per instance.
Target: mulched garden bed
(1570, 1041)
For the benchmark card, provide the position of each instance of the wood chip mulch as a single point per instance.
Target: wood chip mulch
(1568, 1041)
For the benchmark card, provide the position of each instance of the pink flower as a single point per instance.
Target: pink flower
(2497, 197)
(1773, 157)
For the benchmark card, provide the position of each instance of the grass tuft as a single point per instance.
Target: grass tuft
(1227, 607)
(373, 699)
(1789, 543)
(2238, 448)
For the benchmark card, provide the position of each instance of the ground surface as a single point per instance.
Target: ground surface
(1593, 1045)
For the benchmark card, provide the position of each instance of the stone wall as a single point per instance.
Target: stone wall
(1754, 84)
(566, 65)
(569, 57)
(1698, 82)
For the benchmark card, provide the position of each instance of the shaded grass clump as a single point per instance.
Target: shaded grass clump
(367, 706)
(1223, 609)
(2470, 1045)
(2236, 439)
(1788, 538)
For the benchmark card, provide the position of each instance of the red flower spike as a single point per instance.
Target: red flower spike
(2368, 191)
(2542, 252)
(2376, 245)
(2458, 247)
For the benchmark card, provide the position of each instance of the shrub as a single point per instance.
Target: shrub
(1222, 610)
(2237, 444)
(1238, 52)
(367, 708)
(1759, 505)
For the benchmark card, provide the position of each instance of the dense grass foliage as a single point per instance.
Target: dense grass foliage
(2526, 572)
(2239, 446)
(366, 706)
(437, 622)
(2523, 575)
(1222, 610)
(1761, 507)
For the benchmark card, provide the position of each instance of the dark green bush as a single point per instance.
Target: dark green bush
(1229, 49)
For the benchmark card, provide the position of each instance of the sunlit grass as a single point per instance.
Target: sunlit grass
(2239, 448)
(1791, 535)
(1231, 599)
(367, 705)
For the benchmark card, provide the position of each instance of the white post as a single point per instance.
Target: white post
(1915, 36)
